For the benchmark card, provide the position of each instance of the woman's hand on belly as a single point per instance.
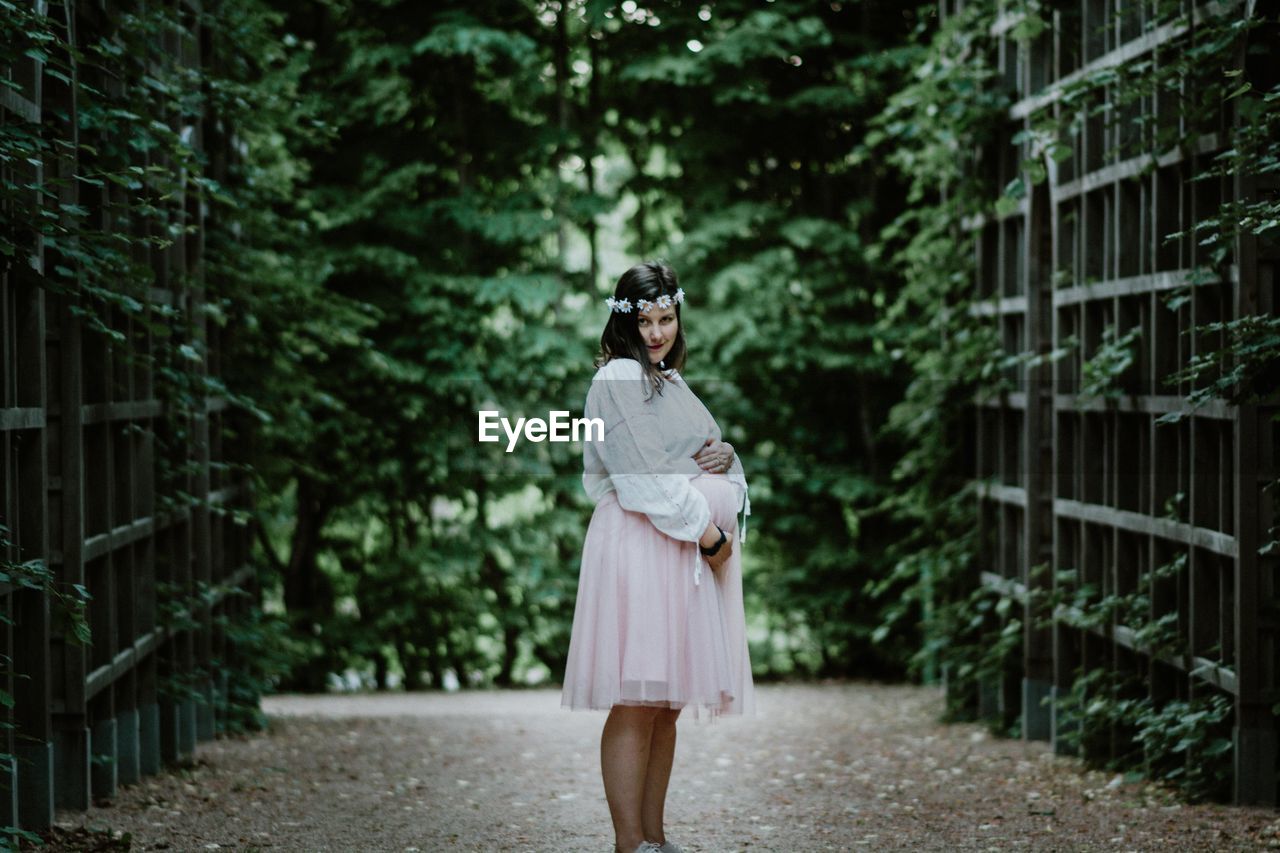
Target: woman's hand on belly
(715, 456)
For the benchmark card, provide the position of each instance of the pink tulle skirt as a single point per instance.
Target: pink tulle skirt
(643, 632)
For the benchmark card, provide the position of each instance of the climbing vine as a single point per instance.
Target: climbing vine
(949, 109)
(262, 646)
(67, 613)
(134, 150)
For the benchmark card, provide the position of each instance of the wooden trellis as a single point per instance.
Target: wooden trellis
(1097, 489)
(86, 437)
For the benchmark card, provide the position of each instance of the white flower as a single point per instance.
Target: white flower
(665, 300)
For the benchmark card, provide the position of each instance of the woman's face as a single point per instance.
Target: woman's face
(658, 327)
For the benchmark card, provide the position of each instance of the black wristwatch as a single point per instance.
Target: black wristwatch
(714, 549)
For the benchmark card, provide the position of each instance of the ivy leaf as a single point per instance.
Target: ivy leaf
(1239, 90)
(1006, 206)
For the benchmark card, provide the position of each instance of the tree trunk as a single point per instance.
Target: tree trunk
(867, 429)
(493, 577)
(593, 129)
(307, 596)
(496, 579)
(457, 661)
(511, 640)
(636, 156)
(411, 663)
(435, 665)
(302, 586)
(561, 63)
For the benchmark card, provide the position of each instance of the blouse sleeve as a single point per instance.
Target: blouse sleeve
(632, 453)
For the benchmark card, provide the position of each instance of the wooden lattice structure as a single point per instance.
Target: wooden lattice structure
(1092, 487)
(88, 439)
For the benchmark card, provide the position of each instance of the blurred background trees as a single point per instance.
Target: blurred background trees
(429, 202)
(470, 181)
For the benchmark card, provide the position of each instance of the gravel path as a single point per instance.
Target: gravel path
(823, 767)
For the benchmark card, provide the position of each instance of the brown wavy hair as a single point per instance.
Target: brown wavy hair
(621, 337)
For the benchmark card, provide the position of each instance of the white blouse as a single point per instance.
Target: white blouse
(647, 452)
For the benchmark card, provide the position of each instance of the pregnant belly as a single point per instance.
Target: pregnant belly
(722, 498)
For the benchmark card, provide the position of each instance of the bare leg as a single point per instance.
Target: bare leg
(662, 752)
(624, 756)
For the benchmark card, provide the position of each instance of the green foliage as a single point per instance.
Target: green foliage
(419, 243)
(1222, 49)
(12, 838)
(1243, 368)
(949, 105)
(67, 603)
(110, 189)
(1184, 743)
(1192, 740)
(95, 245)
(1102, 371)
(987, 643)
(67, 610)
(261, 652)
(264, 651)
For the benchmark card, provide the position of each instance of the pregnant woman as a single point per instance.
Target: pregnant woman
(652, 631)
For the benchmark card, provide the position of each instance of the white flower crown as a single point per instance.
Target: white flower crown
(623, 306)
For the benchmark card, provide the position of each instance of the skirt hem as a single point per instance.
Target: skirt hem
(701, 711)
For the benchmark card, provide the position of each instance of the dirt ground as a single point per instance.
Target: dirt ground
(822, 767)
